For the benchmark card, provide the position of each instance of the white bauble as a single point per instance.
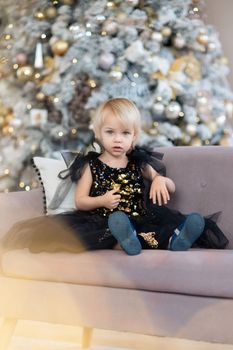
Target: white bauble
(157, 36)
(173, 110)
(179, 41)
(229, 109)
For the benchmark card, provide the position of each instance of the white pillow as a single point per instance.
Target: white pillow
(48, 170)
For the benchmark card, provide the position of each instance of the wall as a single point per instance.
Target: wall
(219, 14)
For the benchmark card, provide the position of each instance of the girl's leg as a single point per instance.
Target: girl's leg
(124, 232)
(187, 233)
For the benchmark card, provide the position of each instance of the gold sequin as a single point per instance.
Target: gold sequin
(129, 182)
(149, 237)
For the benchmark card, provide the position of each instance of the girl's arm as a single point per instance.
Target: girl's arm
(161, 186)
(84, 201)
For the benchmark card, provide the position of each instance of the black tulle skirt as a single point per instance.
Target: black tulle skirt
(78, 231)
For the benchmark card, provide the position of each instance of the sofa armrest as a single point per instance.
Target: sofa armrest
(16, 206)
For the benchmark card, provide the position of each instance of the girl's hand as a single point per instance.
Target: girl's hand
(158, 190)
(110, 199)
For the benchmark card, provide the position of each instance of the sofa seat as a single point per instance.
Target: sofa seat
(195, 272)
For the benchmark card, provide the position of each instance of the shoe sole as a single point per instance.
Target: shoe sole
(120, 227)
(191, 231)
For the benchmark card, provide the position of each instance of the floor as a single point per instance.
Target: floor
(42, 336)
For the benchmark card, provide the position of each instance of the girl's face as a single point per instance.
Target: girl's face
(116, 138)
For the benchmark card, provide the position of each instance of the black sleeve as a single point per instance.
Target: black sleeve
(143, 156)
(76, 167)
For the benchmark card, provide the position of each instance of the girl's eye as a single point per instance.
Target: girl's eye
(126, 133)
(109, 131)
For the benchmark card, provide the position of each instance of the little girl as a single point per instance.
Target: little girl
(112, 203)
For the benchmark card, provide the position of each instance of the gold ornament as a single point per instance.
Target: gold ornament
(39, 15)
(60, 47)
(193, 69)
(51, 12)
(203, 39)
(121, 17)
(222, 60)
(166, 31)
(68, 2)
(40, 96)
(25, 73)
(224, 141)
(196, 142)
(189, 64)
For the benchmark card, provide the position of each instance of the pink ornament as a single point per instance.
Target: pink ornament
(21, 58)
(106, 60)
(110, 27)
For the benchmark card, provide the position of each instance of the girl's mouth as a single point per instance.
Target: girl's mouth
(117, 148)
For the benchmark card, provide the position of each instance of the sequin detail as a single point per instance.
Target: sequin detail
(149, 237)
(128, 180)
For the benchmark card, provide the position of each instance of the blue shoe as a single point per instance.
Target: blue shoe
(187, 233)
(122, 229)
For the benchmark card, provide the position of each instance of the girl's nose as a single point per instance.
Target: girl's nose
(117, 137)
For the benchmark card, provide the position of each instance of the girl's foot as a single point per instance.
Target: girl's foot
(122, 229)
(187, 233)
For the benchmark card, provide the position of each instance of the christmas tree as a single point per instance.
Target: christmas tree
(61, 58)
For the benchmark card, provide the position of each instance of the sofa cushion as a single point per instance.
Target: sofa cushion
(195, 272)
(48, 170)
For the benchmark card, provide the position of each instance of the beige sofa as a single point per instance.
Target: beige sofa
(176, 294)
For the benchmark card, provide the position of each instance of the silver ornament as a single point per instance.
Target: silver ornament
(173, 110)
(158, 108)
(191, 129)
(221, 119)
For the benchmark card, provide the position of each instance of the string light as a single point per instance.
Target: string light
(74, 60)
(27, 188)
(92, 83)
(110, 4)
(74, 131)
(8, 37)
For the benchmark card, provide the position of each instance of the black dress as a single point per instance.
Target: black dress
(78, 230)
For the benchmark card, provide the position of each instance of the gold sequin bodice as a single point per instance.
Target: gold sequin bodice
(129, 180)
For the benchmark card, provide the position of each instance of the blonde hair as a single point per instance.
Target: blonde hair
(123, 109)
